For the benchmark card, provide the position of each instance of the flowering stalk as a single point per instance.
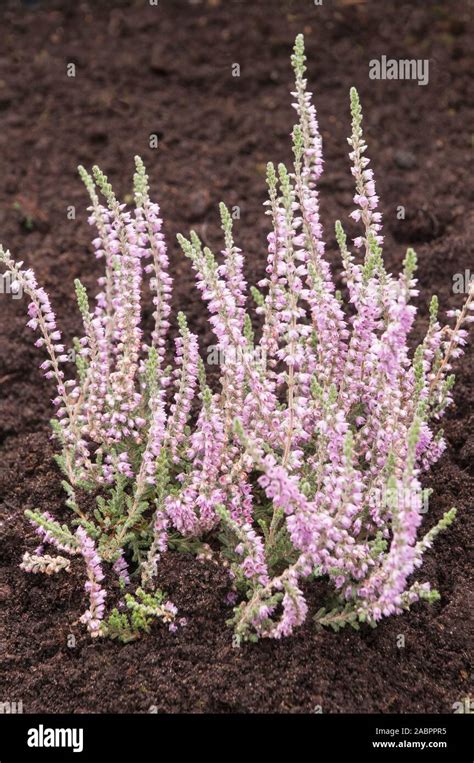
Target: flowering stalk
(44, 563)
(149, 225)
(93, 616)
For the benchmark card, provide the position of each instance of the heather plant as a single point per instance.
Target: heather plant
(305, 462)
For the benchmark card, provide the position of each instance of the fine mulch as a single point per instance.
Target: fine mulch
(167, 71)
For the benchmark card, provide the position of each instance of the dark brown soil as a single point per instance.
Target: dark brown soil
(168, 70)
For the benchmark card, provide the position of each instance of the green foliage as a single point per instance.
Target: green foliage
(258, 297)
(143, 609)
(409, 264)
(338, 617)
(79, 360)
(60, 532)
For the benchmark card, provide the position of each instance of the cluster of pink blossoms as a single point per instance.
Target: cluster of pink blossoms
(305, 461)
(93, 616)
